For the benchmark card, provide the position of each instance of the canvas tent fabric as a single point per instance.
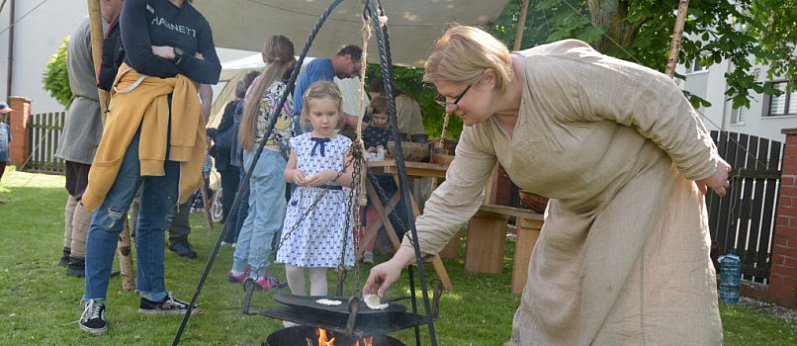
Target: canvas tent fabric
(414, 25)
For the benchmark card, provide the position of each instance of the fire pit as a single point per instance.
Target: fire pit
(351, 319)
(304, 335)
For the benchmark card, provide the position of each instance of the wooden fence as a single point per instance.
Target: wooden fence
(45, 132)
(744, 220)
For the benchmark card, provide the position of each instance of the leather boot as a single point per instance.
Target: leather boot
(65, 257)
(76, 267)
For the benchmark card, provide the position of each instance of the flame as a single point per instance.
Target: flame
(324, 340)
(366, 342)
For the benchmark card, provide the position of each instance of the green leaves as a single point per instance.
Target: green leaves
(56, 80)
(743, 32)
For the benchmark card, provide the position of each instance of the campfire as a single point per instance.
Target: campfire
(312, 336)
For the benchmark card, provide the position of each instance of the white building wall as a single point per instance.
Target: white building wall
(711, 85)
(37, 35)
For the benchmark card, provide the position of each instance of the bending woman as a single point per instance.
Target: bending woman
(623, 257)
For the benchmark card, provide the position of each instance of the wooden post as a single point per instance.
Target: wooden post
(528, 231)
(675, 44)
(484, 252)
(125, 257)
(521, 25)
(97, 37)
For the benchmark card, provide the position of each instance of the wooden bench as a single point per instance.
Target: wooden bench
(487, 239)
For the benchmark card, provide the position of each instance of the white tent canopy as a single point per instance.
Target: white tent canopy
(413, 25)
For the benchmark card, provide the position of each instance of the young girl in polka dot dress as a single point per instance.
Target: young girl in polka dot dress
(317, 241)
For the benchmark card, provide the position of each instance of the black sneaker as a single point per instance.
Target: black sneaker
(64, 260)
(76, 267)
(168, 306)
(183, 249)
(93, 318)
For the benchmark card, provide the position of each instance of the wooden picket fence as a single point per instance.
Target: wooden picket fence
(45, 132)
(744, 220)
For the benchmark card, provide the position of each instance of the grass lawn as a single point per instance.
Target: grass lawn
(39, 303)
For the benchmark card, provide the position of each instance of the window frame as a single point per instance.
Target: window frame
(787, 99)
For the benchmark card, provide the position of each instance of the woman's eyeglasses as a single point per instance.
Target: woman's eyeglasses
(452, 106)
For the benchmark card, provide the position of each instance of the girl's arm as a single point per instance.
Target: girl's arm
(329, 176)
(293, 175)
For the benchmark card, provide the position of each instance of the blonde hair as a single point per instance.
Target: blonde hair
(320, 90)
(463, 53)
(279, 60)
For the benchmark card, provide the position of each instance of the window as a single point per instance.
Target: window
(697, 67)
(738, 115)
(785, 104)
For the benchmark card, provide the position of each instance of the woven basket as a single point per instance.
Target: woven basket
(534, 201)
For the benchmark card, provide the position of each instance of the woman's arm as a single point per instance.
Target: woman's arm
(205, 68)
(451, 205)
(603, 88)
(138, 47)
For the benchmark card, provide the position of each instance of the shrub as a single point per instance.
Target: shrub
(56, 79)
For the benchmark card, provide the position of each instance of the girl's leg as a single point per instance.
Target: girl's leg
(318, 282)
(244, 237)
(295, 279)
(370, 217)
(268, 188)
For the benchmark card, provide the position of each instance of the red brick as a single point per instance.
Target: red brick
(790, 282)
(778, 259)
(790, 149)
(781, 221)
(782, 249)
(788, 191)
(787, 231)
(789, 163)
(784, 271)
(788, 302)
(786, 211)
(775, 279)
(790, 262)
(782, 290)
(788, 181)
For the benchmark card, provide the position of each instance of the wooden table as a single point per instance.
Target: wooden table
(414, 170)
(487, 239)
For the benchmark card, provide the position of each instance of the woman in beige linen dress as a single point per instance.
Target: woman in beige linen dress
(623, 257)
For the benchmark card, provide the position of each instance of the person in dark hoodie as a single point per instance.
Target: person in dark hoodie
(154, 137)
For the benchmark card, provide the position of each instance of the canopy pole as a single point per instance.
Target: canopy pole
(677, 33)
(95, 21)
(521, 25)
(95, 27)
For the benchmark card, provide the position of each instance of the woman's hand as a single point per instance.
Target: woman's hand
(717, 181)
(166, 52)
(385, 274)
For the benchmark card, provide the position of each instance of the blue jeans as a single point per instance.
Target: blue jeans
(238, 216)
(266, 213)
(158, 199)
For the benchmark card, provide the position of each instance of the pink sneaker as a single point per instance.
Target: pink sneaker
(268, 282)
(236, 279)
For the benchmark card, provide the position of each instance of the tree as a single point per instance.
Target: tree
(56, 80)
(741, 31)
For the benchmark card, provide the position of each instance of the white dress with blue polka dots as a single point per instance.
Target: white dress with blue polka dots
(318, 240)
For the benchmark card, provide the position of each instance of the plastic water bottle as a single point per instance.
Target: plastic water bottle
(730, 275)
